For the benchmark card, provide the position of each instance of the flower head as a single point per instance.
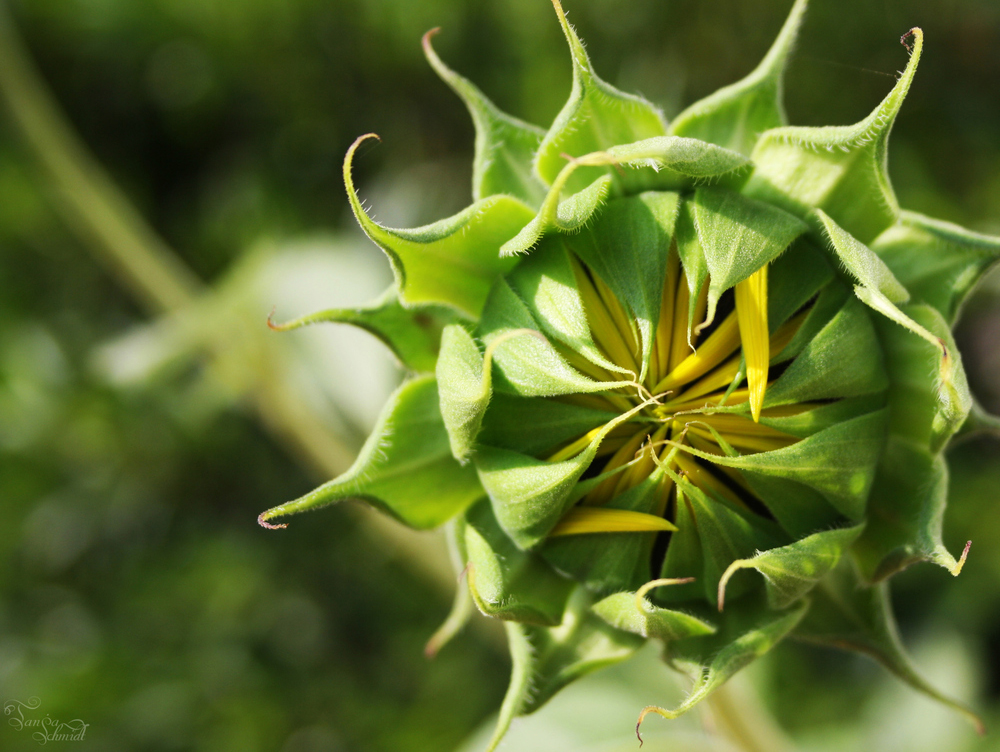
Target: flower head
(650, 356)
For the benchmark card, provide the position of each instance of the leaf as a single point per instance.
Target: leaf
(906, 512)
(452, 262)
(463, 605)
(596, 117)
(547, 659)
(465, 387)
(839, 461)
(567, 215)
(840, 169)
(925, 405)
(529, 495)
(682, 158)
(861, 263)
(633, 613)
(726, 534)
(847, 615)
(881, 291)
(405, 467)
(736, 115)
(552, 423)
(792, 571)
(794, 278)
(799, 509)
(413, 334)
(713, 660)
(827, 305)
(684, 560)
(938, 262)
(843, 359)
(607, 562)
(738, 236)
(825, 415)
(547, 285)
(581, 644)
(675, 163)
(505, 582)
(505, 146)
(466, 384)
(627, 248)
(692, 258)
(529, 366)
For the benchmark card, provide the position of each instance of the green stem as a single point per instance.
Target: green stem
(120, 238)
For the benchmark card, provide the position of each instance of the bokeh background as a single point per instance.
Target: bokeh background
(187, 179)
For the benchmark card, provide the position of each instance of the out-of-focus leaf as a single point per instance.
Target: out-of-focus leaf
(847, 614)
(713, 659)
(938, 262)
(906, 512)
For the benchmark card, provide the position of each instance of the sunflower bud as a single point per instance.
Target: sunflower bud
(649, 357)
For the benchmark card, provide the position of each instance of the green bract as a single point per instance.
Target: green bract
(649, 357)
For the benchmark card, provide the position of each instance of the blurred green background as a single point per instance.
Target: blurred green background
(147, 417)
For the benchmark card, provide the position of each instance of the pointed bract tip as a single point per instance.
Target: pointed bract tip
(918, 36)
(957, 569)
(262, 521)
(360, 140)
(431, 33)
(425, 42)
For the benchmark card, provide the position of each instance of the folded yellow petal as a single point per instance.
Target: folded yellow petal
(723, 341)
(581, 520)
(751, 310)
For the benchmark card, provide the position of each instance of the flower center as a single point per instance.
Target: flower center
(702, 390)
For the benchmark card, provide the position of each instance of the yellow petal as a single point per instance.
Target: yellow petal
(705, 480)
(751, 310)
(626, 454)
(724, 340)
(660, 362)
(602, 323)
(581, 520)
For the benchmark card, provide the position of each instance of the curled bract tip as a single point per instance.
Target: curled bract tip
(262, 521)
(957, 569)
(430, 34)
(918, 35)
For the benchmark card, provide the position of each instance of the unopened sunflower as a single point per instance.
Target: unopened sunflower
(650, 356)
